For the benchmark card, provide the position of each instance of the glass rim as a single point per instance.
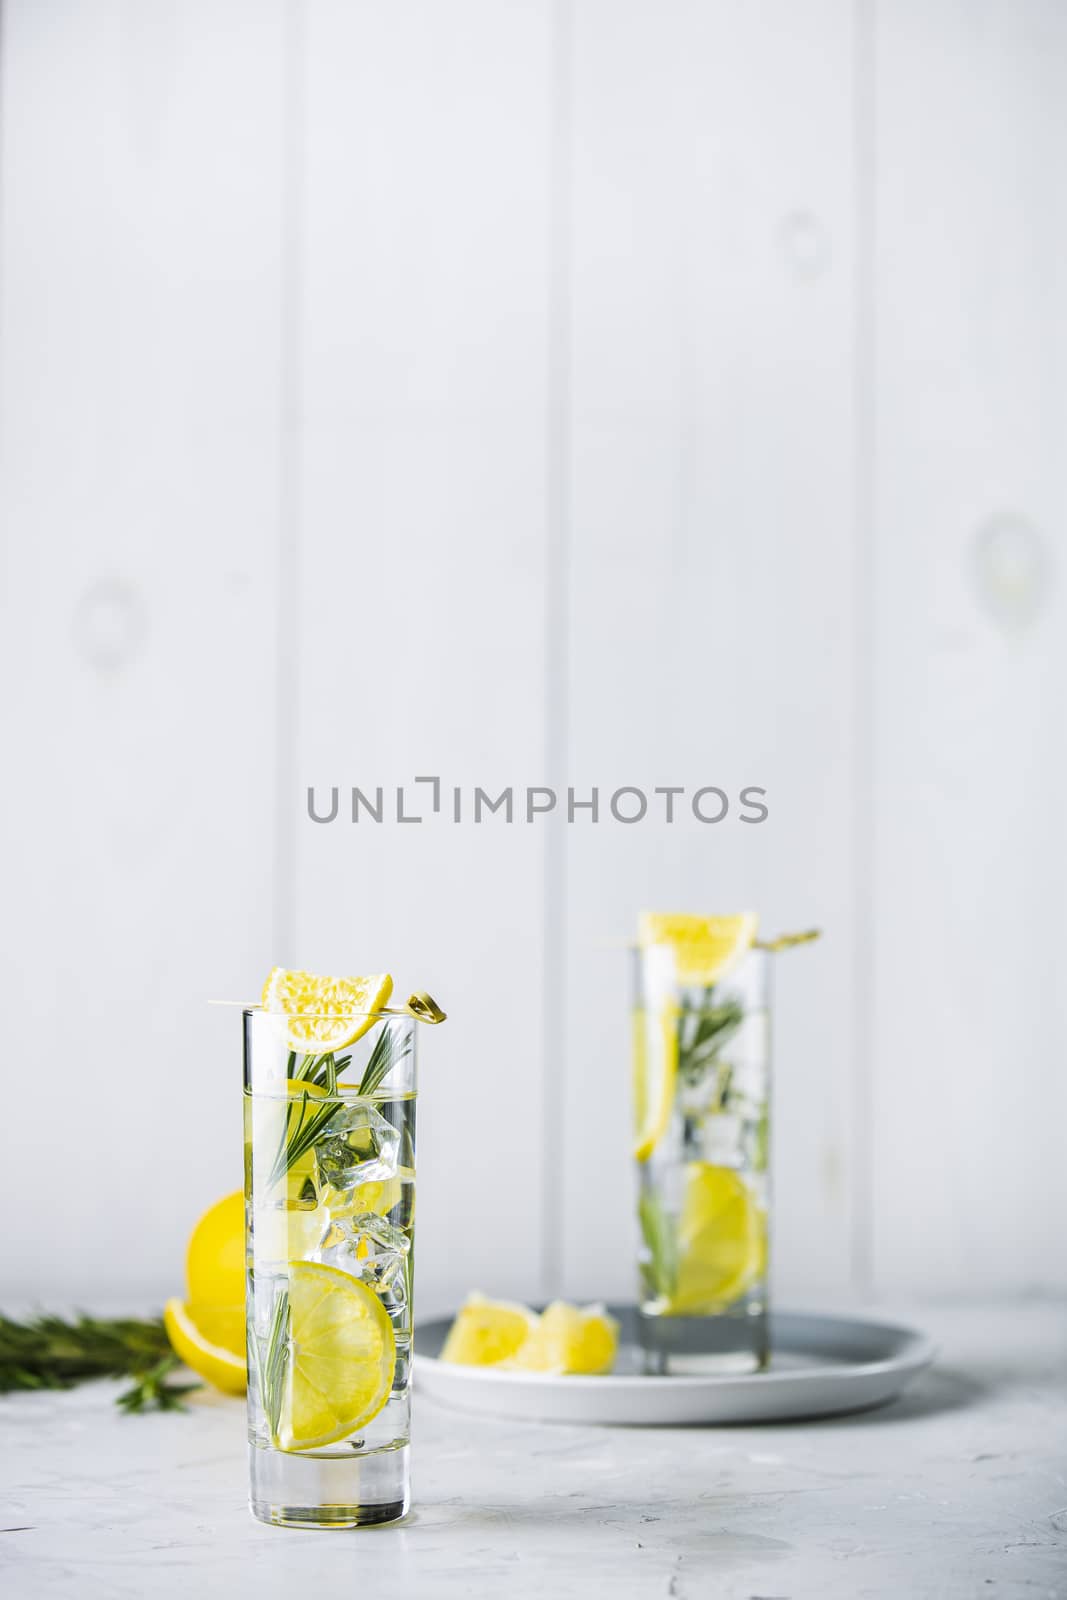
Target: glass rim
(345, 1090)
(251, 1010)
(755, 949)
(754, 952)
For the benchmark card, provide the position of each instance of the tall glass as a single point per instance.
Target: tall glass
(701, 1084)
(329, 1233)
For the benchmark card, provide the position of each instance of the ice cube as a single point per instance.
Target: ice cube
(375, 1252)
(402, 1370)
(368, 1247)
(357, 1145)
(722, 1139)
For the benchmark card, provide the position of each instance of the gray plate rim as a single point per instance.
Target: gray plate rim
(908, 1351)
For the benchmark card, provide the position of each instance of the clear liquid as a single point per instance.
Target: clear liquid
(329, 1179)
(703, 1189)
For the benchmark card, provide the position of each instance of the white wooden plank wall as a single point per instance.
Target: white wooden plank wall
(711, 559)
(969, 1027)
(604, 393)
(139, 388)
(421, 569)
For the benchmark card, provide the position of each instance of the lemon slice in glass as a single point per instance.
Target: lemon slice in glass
(377, 1195)
(705, 948)
(722, 1240)
(655, 1076)
(341, 1359)
(272, 1122)
(320, 1014)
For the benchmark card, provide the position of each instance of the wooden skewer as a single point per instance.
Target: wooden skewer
(784, 941)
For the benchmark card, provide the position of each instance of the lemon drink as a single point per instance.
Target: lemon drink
(700, 1068)
(330, 1210)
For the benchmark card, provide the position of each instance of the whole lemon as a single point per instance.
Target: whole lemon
(215, 1259)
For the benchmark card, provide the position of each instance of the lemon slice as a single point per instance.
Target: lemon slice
(377, 1195)
(271, 1122)
(655, 1076)
(722, 1240)
(342, 1357)
(323, 1014)
(215, 1258)
(705, 948)
(487, 1332)
(210, 1340)
(570, 1339)
(282, 1234)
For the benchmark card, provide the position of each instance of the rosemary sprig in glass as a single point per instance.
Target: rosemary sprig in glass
(705, 1025)
(308, 1116)
(660, 1269)
(383, 1058)
(273, 1360)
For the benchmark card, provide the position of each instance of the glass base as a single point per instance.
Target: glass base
(329, 1491)
(728, 1342)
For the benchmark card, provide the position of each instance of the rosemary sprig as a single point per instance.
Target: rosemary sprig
(704, 1027)
(272, 1363)
(322, 1070)
(152, 1392)
(52, 1352)
(660, 1271)
(305, 1119)
(406, 1155)
(383, 1058)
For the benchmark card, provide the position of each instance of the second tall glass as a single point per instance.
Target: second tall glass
(701, 1080)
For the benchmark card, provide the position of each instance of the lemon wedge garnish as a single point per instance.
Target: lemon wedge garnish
(342, 1356)
(722, 1240)
(210, 1340)
(320, 1014)
(705, 948)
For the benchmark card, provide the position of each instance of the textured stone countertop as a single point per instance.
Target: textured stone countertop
(957, 1489)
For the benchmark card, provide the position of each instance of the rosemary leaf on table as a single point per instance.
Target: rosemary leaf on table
(52, 1352)
(152, 1392)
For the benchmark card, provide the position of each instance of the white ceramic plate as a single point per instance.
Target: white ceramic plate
(821, 1366)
